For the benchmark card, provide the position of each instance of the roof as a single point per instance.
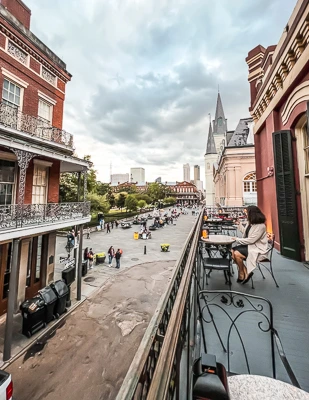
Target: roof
(211, 146)
(241, 133)
(220, 123)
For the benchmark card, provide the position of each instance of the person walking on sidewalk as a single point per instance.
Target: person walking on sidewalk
(111, 255)
(112, 224)
(117, 257)
(108, 229)
(116, 223)
(90, 258)
(88, 232)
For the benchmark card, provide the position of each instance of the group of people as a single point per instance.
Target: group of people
(108, 225)
(114, 255)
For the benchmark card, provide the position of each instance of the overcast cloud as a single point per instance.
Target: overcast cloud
(146, 73)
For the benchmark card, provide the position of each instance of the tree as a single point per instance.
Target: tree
(121, 200)
(102, 188)
(145, 197)
(141, 203)
(110, 197)
(131, 203)
(91, 177)
(170, 200)
(68, 187)
(98, 203)
(157, 191)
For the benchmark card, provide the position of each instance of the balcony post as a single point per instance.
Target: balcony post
(11, 302)
(80, 260)
(78, 186)
(85, 173)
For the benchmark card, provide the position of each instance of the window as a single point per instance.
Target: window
(306, 148)
(45, 111)
(38, 263)
(7, 182)
(7, 272)
(11, 93)
(39, 188)
(250, 183)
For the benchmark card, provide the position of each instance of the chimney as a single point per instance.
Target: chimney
(19, 10)
(256, 73)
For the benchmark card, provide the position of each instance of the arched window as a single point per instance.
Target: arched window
(250, 183)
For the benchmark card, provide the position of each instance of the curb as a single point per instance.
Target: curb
(47, 331)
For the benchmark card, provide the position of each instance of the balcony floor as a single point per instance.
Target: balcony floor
(291, 319)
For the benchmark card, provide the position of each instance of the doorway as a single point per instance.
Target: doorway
(5, 273)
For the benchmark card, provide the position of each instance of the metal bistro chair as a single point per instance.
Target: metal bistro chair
(228, 228)
(266, 258)
(240, 322)
(211, 262)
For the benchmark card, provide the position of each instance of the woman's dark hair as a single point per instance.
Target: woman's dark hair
(255, 215)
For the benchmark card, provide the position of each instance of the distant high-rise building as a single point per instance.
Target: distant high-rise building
(119, 178)
(159, 180)
(197, 173)
(137, 175)
(186, 172)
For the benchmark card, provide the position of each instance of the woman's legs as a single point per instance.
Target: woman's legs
(239, 260)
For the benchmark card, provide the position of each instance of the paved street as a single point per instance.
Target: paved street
(92, 351)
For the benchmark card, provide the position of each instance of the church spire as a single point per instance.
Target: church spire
(211, 147)
(220, 123)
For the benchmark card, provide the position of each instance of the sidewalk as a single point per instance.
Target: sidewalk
(133, 254)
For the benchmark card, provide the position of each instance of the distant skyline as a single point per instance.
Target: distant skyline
(146, 74)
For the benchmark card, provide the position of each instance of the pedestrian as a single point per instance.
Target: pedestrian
(112, 223)
(116, 223)
(90, 257)
(111, 255)
(108, 229)
(117, 257)
(88, 232)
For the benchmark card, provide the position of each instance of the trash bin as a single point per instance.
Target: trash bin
(84, 267)
(135, 235)
(61, 290)
(50, 299)
(68, 275)
(33, 313)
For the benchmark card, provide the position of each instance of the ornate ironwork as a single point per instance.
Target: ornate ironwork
(23, 160)
(50, 78)
(17, 53)
(29, 215)
(85, 174)
(13, 118)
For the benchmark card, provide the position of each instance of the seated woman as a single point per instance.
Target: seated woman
(253, 243)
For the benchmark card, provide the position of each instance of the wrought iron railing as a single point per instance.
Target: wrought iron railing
(27, 215)
(171, 329)
(13, 118)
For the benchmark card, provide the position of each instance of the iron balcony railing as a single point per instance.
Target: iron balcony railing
(28, 215)
(167, 344)
(13, 118)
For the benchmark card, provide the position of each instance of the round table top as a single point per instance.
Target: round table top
(219, 239)
(254, 387)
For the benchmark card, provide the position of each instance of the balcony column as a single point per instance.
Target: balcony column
(23, 160)
(80, 260)
(85, 173)
(11, 302)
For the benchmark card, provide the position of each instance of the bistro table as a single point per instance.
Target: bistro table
(223, 240)
(254, 387)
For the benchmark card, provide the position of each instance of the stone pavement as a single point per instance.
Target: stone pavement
(90, 354)
(133, 250)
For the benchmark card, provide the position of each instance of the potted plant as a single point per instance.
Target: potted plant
(165, 247)
(100, 258)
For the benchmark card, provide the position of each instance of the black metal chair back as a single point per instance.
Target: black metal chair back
(233, 315)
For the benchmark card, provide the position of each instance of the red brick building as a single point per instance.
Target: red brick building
(34, 150)
(279, 87)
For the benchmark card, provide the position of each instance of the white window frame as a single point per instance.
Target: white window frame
(11, 157)
(51, 110)
(46, 168)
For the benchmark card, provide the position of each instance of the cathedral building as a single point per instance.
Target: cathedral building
(216, 138)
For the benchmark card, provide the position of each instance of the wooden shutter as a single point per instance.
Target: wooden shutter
(286, 195)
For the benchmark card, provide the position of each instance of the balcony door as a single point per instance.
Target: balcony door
(5, 272)
(40, 184)
(7, 182)
(37, 264)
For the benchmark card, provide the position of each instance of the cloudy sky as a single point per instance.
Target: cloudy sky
(146, 73)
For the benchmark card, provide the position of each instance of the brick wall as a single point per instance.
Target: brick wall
(29, 182)
(31, 98)
(2, 40)
(34, 65)
(53, 182)
(19, 10)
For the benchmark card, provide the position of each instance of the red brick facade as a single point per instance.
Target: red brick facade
(19, 10)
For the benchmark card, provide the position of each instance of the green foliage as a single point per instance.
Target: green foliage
(141, 203)
(121, 201)
(157, 191)
(130, 189)
(110, 197)
(131, 203)
(98, 203)
(68, 187)
(170, 200)
(91, 177)
(142, 196)
(102, 188)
